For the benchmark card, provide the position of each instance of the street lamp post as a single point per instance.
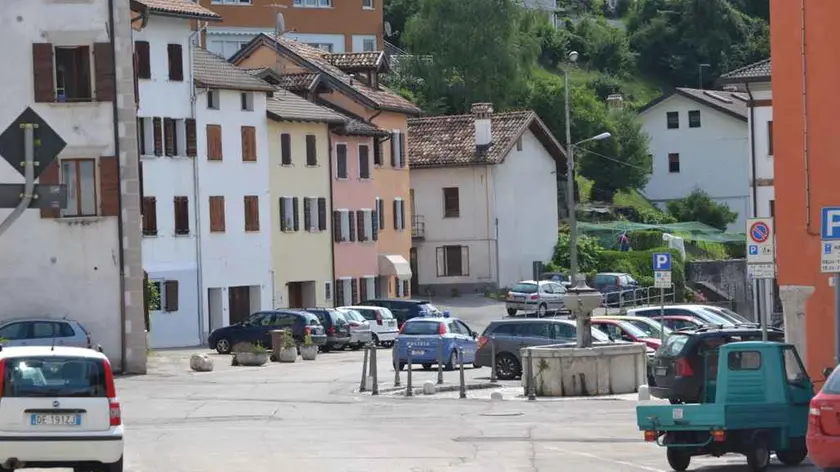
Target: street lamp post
(700, 74)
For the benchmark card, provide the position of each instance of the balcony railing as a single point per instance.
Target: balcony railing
(418, 227)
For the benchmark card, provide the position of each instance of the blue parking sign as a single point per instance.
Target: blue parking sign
(662, 261)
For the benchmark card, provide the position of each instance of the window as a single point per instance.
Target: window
(252, 213)
(368, 44)
(453, 261)
(289, 216)
(314, 214)
(285, 149)
(364, 225)
(72, 73)
(399, 214)
(14, 331)
(327, 291)
(519, 144)
(364, 161)
(217, 214)
(170, 137)
(673, 118)
(313, 3)
(377, 152)
(79, 175)
(674, 162)
(150, 216)
(451, 206)
(744, 360)
(370, 291)
(249, 144)
(397, 149)
(42, 376)
(694, 119)
(47, 329)
(367, 4)
(157, 298)
(246, 101)
(182, 215)
(144, 67)
(772, 208)
(344, 226)
(793, 366)
(770, 138)
(214, 142)
(231, 2)
(340, 161)
(213, 99)
(564, 331)
(327, 47)
(176, 62)
(535, 330)
(63, 73)
(380, 212)
(311, 150)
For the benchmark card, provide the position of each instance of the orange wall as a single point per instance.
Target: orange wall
(799, 243)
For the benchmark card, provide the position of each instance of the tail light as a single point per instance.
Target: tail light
(814, 414)
(441, 328)
(378, 318)
(331, 331)
(402, 328)
(683, 368)
(482, 341)
(650, 436)
(719, 435)
(2, 375)
(534, 297)
(111, 391)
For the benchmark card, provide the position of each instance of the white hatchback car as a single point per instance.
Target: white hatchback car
(383, 325)
(59, 408)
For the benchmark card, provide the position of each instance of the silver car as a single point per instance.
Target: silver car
(535, 296)
(44, 332)
(360, 332)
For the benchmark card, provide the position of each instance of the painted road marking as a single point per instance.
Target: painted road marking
(605, 459)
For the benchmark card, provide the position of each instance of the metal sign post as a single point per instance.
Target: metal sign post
(662, 280)
(830, 264)
(761, 262)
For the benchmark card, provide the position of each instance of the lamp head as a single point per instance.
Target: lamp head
(573, 56)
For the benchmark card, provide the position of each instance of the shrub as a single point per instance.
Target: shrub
(645, 239)
(639, 264)
(736, 250)
(653, 216)
(588, 250)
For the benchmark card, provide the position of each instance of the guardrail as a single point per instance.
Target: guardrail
(642, 296)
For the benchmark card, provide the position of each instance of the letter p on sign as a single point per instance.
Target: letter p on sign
(661, 261)
(830, 223)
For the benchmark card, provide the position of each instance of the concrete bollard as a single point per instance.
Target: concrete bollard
(409, 390)
(373, 370)
(396, 366)
(644, 393)
(440, 360)
(532, 393)
(428, 388)
(462, 393)
(496, 396)
(363, 386)
(492, 359)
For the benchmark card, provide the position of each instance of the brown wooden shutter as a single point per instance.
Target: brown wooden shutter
(402, 150)
(42, 72)
(402, 214)
(169, 136)
(182, 215)
(176, 62)
(50, 177)
(360, 220)
(144, 65)
(150, 216)
(354, 291)
(311, 150)
(363, 295)
(377, 287)
(109, 175)
(192, 147)
(394, 146)
(351, 217)
(252, 213)
(103, 67)
(249, 144)
(337, 226)
(296, 213)
(377, 152)
(405, 288)
(770, 138)
(396, 212)
(307, 217)
(214, 142)
(283, 214)
(339, 292)
(380, 205)
(374, 225)
(322, 214)
(285, 149)
(217, 214)
(146, 299)
(157, 134)
(136, 83)
(170, 290)
(364, 162)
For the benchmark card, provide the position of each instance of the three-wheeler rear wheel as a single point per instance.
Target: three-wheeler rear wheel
(795, 453)
(758, 455)
(678, 458)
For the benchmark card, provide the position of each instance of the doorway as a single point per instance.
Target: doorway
(239, 303)
(295, 294)
(412, 262)
(214, 307)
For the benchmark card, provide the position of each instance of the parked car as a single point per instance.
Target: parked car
(511, 335)
(728, 314)
(404, 309)
(678, 366)
(335, 325)
(383, 325)
(625, 331)
(680, 322)
(651, 327)
(422, 338)
(558, 277)
(360, 332)
(614, 285)
(535, 296)
(257, 328)
(43, 331)
(696, 311)
(823, 438)
(59, 409)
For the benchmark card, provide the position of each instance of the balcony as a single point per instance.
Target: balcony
(418, 227)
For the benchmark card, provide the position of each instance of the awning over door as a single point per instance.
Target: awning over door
(395, 265)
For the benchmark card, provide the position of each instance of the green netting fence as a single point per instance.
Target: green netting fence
(607, 233)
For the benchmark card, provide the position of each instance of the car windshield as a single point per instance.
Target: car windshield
(604, 280)
(524, 288)
(652, 330)
(711, 317)
(598, 335)
(674, 345)
(832, 385)
(54, 377)
(632, 329)
(727, 313)
(312, 320)
(421, 328)
(385, 314)
(351, 315)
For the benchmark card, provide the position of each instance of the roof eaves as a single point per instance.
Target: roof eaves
(712, 105)
(186, 16)
(275, 117)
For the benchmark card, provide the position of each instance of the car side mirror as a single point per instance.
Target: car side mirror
(475, 334)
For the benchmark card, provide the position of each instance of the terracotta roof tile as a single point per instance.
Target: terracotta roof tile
(287, 106)
(449, 141)
(214, 71)
(350, 61)
(759, 71)
(355, 125)
(183, 8)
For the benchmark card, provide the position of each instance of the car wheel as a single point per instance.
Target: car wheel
(113, 467)
(453, 361)
(758, 456)
(388, 344)
(542, 310)
(427, 366)
(678, 459)
(356, 347)
(511, 311)
(795, 454)
(507, 367)
(223, 346)
(326, 348)
(376, 340)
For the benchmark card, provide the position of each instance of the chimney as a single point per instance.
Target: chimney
(483, 133)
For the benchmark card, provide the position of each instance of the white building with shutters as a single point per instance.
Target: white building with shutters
(167, 141)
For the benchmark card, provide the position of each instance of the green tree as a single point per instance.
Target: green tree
(698, 206)
(397, 13)
(601, 46)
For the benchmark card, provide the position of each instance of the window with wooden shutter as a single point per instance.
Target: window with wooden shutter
(770, 138)
(150, 216)
(214, 142)
(176, 62)
(360, 225)
(395, 146)
(296, 213)
(351, 221)
(374, 225)
(109, 175)
(402, 160)
(341, 161)
(43, 72)
(364, 161)
(285, 149)
(354, 291)
(157, 136)
(363, 289)
(402, 214)
(311, 150)
(339, 291)
(170, 295)
(144, 64)
(396, 214)
(322, 214)
(169, 138)
(79, 175)
(337, 226)
(249, 144)
(103, 66)
(377, 287)
(451, 202)
(380, 212)
(182, 215)
(377, 151)
(307, 215)
(252, 213)
(50, 176)
(217, 214)
(191, 136)
(136, 83)
(405, 288)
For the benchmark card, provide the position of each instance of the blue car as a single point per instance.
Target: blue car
(422, 337)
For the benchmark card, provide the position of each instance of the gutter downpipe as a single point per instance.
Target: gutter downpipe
(756, 287)
(196, 204)
(805, 149)
(329, 215)
(117, 152)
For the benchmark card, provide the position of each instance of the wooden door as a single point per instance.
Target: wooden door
(412, 262)
(296, 295)
(239, 303)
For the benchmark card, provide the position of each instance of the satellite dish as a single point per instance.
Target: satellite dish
(388, 28)
(279, 24)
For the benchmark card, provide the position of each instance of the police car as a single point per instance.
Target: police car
(431, 340)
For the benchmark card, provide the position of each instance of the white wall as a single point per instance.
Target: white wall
(526, 209)
(713, 157)
(227, 40)
(763, 159)
(234, 258)
(62, 266)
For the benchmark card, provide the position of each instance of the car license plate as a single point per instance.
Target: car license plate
(417, 353)
(662, 371)
(677, 413)
(519, 299)
(56, 420)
